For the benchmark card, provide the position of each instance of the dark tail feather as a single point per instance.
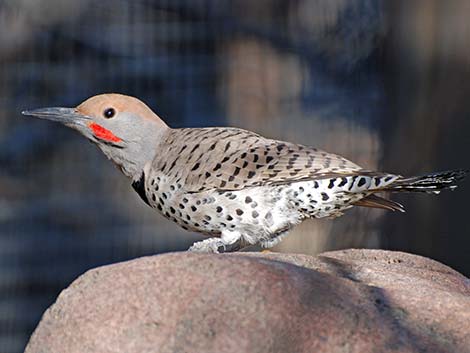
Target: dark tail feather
(430, 183)
(375, 201)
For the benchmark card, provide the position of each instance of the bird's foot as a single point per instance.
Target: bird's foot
(276, 239)
(211, 245)
(228, 242)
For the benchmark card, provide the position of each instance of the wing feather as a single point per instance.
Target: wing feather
(233, 159)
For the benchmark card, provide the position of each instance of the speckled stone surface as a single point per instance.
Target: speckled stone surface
(344, 301)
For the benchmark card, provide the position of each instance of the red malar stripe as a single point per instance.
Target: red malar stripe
(103, 134)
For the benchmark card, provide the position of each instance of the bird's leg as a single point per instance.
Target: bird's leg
(269, 243)
(228, 242)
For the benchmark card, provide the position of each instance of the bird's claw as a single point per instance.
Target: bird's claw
(211, 245)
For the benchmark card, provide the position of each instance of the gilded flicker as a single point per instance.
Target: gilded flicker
(235, 186)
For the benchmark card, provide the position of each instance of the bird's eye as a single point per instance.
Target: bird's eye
(109, 113)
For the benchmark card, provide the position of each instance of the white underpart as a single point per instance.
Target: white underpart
(229, 237)
(255, 215)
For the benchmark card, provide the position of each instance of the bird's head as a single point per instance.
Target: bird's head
(123, 127)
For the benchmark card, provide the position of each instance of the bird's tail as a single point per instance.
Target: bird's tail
(430, 183)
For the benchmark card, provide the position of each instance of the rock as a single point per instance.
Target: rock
(344, 301)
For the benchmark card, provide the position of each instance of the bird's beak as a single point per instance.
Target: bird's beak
(66, 116)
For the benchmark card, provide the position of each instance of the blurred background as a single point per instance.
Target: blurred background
(384, 83)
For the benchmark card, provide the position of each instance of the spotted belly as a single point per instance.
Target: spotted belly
(256, 211)
(260, 211)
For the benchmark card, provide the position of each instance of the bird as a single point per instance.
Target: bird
(235, 186)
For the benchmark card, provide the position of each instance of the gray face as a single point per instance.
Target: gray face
(133, 141)
(126, 130)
